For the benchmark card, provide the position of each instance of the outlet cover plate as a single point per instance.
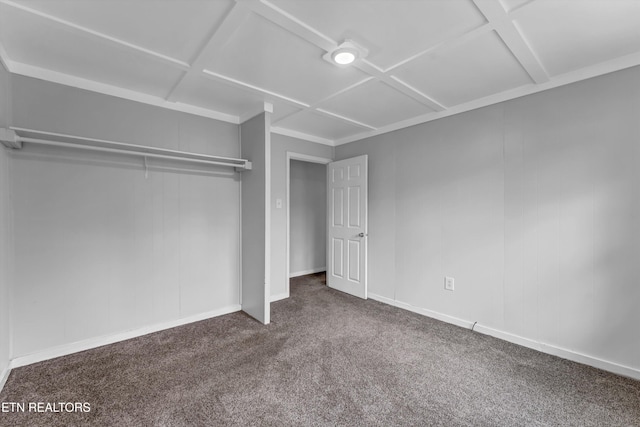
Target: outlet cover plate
(449, 283)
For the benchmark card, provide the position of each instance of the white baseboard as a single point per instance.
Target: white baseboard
(4, 376)
(564, 353)
(305, 272)
(429, 313)
(279, 297)
(90, 343)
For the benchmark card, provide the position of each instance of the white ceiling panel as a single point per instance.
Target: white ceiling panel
(217, 96)
(267, 56)
(390, 30)
(319, 125)
(478, 68)
(32, 40)
(567, 35)
(173, 28)
(369, 103)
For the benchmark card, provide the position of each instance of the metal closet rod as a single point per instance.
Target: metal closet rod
(11, 139)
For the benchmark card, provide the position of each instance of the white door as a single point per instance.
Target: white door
(347, 226)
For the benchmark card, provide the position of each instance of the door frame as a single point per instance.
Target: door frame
(291, 155)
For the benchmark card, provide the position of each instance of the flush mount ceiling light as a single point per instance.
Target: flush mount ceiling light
(346, 54)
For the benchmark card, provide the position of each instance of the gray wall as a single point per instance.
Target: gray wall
(308, 217)
(531, 205)
(256, 141)
(100, 248)
(280, 145)
(5, 230)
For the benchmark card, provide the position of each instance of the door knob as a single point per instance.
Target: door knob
(361, 235)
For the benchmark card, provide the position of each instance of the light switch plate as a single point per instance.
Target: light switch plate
(278, 203)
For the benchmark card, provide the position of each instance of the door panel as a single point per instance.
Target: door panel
(347, 226)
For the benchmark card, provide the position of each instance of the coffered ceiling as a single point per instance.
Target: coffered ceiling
(229, 59)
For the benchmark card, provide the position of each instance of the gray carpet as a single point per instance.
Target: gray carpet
(326, 359)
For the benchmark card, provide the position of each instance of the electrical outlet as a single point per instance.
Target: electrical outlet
(448, 283)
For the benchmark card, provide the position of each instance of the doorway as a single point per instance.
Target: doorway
(306, 214)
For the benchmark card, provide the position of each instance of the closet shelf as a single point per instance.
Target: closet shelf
(14, 137)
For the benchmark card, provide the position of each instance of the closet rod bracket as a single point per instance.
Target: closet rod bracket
(10, 139)
(247, 167)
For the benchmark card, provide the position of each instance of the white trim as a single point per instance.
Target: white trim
(596, 70)
(267, 218)
(105, 89)
(279, 297)
(210, 48)
(305, 272)
(564, 353)
(90, 343)
(344, 119)
(5, 376)
(301, 135)
(102, 36)
(261, 91)
(278, 16)
(513, 39)
(305, 158)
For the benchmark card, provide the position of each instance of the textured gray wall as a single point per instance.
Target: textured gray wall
(100, 248)
(255, 218)
(531, 205)
(308, 217)
(6, 252)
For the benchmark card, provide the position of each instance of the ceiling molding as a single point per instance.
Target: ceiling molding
(290, 23)
(333, 95)
(450, 43)
(430, 102)
(596, 70)
(219, 77)
(302, 135)
(105, 89)
(346, 119)
(219, 36)
(368, 68)
(105, 37)
(498, 18)
(513, 39)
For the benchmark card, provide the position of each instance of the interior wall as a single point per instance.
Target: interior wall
(256, 187)
(280, 145)
(103, 246)
(532, 205)
(307, 217)
(5, 230)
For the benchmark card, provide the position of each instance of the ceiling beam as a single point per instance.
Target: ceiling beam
(102, 36)
(513, 39)
(210, 48)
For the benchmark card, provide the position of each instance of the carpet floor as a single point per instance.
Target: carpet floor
(327, 359)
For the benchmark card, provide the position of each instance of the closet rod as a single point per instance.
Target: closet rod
(11, 139)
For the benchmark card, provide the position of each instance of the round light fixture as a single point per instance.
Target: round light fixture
(344, 56)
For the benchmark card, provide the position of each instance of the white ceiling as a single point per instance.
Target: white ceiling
(230, 59)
